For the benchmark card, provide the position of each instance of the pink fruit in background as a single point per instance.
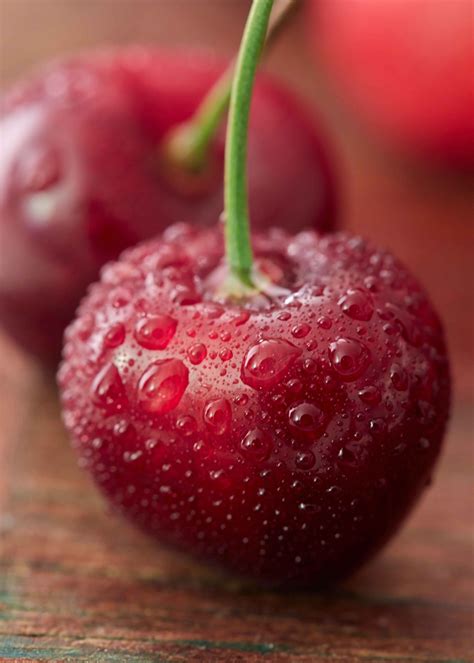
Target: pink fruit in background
(82, 175)
(281, 438)
(406, 66)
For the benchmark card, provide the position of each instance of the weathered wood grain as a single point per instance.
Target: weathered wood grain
(78, 585)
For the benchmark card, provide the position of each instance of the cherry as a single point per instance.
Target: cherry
(274, 407)
(83, 174)
(405, 67)
(284, 439)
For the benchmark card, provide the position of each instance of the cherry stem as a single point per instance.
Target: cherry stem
(188, 145)
(237, 228)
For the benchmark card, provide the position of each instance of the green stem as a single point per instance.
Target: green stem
(237, 228)
(188, 145)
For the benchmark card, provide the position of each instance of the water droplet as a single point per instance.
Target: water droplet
(370, 395)
(107, 389)
(306, 418)
(155, 332)
(295, 386)
(186, 424)
(305, 460)
(217, 415)
(267, 362)
(120, 297)
(377, 426)
(241, 318)
(162, 385)
(256, 445)
(300, 331)
(115, 336)
(308, 507)
(122, 427)
(324, 322)
(357, 305)
(226, 354)
(130, 456)
(399, 377)
(355, 452)
(349, 358)
(241, 399)
(310, 365)
(197, 353)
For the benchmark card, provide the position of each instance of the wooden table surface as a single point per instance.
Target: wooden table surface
(78, 585)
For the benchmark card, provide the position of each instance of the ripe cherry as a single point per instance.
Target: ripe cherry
(84, 174)
(281, 456)
(296, 410)
(406, 67)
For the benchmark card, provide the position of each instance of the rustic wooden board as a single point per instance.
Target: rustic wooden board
(78, 585)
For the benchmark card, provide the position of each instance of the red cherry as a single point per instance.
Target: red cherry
(287, 457)
(406, 67)
(81, 177)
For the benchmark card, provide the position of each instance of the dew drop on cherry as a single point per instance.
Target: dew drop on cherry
(115, 336)
(256, 445)
(349, 358)
(186, 425)
(226, 354)
(306, 418)
(155, 332)
(324, 322)
(241, 318)
(305, 460)
(399, 377)
(357, 305)
(267, 362)
(217, 415)
(370, 395)
(162, 385)
(108, 391)
(300, 331)
(197, 353)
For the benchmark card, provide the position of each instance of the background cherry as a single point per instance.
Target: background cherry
(406, 67)
(81, 175)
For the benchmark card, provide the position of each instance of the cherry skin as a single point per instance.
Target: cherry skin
(82, 175)
(283, 438)
(406, 68)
